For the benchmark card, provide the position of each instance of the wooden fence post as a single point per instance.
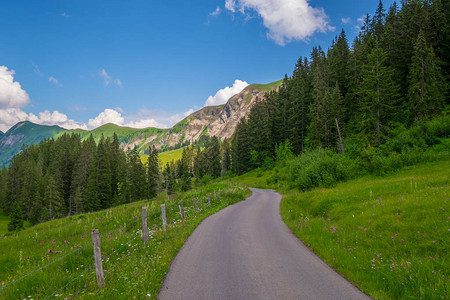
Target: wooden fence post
(163, 215)
(195, 204)
(182, 212)
(144, 226)
(98, 258)
(209, 200)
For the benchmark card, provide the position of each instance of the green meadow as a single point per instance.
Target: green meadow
(386, 234)
(55, 259)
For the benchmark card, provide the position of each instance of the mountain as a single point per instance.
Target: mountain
(24, 133)
(220, 121)
(1, 133)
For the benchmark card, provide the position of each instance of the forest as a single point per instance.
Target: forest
(371, 107)
(394, 76)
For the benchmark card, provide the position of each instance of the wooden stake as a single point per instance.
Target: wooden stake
(341, 145)
(195, 204)
(209, 200)
(182, 212)
(163, 215)
(98, 258)
(144, 226)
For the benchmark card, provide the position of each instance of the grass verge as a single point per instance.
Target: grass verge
(63, 248)
(388, 235)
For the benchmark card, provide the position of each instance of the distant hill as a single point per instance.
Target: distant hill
(1, 133)
(220, 121)
(24, 133)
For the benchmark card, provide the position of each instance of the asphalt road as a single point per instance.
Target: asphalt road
(245, 251)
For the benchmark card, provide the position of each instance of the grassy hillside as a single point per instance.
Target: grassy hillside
(24, 133)
(165, 157)
(268, 87)
(63, 249)
(388, 235)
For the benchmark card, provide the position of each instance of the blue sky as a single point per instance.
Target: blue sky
(151, 63)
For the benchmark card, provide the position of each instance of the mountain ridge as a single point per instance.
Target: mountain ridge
(219, 120)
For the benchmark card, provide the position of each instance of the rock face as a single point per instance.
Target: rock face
(220, 121)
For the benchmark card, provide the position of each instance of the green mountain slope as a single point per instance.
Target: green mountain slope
(24, 133)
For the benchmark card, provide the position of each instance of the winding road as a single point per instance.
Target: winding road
(246, 251)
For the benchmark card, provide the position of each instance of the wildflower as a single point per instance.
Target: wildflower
(53, 241)
(425, 234)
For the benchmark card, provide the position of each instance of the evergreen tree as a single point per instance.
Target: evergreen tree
(379, 106)
(152, 173)
(427, 86)
(185, 170)
(16, 216)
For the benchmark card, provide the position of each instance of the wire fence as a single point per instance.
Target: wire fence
(123, 227)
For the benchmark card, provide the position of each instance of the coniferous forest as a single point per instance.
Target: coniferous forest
(393, 77)
(385, 96)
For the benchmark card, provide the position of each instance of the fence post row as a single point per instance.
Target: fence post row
(98, 258)
(195, 204)
(163, 215)
(144, 226)
(182, 211)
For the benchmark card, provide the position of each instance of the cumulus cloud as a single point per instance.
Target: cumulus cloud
(107, 79)
(11, 93)
(65, 15)
(222, 95)
(53, 80)
(286, 20)
(11, 116)
(346, 20)
(105, 117)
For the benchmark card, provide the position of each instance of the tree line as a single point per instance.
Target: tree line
(68, 176)
(395, 74)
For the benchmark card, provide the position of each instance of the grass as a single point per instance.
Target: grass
(165, 157)
(388, 235)
(268, 87)
(64, 248)
(4, 220)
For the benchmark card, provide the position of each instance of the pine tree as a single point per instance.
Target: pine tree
(16, 216)
(185, 169)
(226, 158)
(427, 86)
(152, 173)
(379, 106)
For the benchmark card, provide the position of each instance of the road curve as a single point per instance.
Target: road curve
(245, 251)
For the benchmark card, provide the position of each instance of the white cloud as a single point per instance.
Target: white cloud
(55, 118)
(145, 124)
(222, 95)
(65, 15)
(346, 20)
(53, 80)
(216, 12)
(11, 93)
(11, 116)
(230, 5)
(105, 117)
(107, 79)
(287, 20)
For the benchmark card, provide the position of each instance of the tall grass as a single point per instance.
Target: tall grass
(64, 248)
(388, 235)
